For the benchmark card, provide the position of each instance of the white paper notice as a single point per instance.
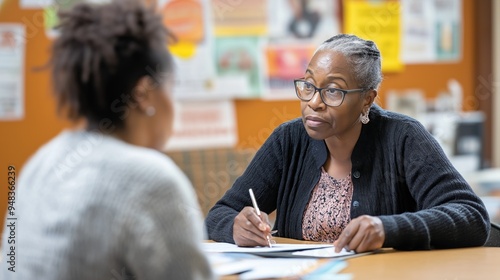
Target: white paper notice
(232, 248)
(419, 34)
(35, 4)
(432, 30)
(207, 124)
(12, 47)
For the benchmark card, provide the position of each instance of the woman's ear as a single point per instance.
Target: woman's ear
(142, 93)
(370, 98)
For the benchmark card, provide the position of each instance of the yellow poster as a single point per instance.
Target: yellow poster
(240, 17)
(380, 22)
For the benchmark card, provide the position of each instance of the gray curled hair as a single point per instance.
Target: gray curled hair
(363, 55)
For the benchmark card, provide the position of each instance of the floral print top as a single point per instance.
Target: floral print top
(329, 209)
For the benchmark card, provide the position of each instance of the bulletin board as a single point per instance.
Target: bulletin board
(255, 117)
(245, 49)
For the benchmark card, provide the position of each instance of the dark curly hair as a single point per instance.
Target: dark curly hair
(103, 50)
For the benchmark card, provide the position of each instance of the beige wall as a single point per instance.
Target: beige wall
(496, 85)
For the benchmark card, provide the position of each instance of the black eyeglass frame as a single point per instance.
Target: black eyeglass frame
(320, 90)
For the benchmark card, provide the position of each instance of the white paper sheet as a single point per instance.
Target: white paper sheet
(12, 47)
(232, 248)
(229, 259)
(35, 4)
(328, 252)
(254, 267)
(223, 264)
(277, 268)
(202, 125)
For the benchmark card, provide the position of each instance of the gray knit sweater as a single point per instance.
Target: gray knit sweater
(94, 207)
(399, 174)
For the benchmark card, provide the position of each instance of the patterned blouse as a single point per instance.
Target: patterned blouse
(329, 209)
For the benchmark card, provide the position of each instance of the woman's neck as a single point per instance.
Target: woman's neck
(340, 147)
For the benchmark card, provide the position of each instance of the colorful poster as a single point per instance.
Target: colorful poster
(189, 21)
(307, 21)
(239, 17)
(379, 22)
(432, 30)
(238, 66)
(12, 47)
(284, 64)
(296, 29)
(448, 29)
(185, 18)
(200, 125)
(194, 75)
(419, 34)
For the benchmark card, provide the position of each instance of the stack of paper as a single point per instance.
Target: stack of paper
(287, 260)
(280, 250)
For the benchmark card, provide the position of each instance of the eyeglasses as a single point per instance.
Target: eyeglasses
(330, 96)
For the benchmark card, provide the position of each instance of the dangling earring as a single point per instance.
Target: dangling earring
(364, 117)
(150, 111)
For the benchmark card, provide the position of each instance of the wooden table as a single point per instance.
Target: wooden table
(466, 263)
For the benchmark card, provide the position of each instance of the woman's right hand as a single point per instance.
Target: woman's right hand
(251, 230)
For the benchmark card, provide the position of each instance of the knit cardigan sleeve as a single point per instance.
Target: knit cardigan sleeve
(449, 214)
(263, 175)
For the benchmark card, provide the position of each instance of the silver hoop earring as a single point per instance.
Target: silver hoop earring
(150, 111)
(364, 117)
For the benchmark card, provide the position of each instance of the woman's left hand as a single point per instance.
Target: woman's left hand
(364, 233)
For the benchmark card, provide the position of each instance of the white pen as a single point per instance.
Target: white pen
(254, 202)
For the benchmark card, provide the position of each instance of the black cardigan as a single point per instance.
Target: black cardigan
(399, 173)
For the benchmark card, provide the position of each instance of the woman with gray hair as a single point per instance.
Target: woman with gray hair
(349, 172)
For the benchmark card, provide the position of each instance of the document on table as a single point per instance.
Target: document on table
(221, 247)
(254, 267)
(280, 250)
(282, 260)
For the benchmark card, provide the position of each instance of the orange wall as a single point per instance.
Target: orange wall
(255, 118)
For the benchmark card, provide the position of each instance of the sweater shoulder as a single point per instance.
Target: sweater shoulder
(146, 165)
(400, 124)
(78, 155)
(291, 125)
(391, 117)
(293, 129)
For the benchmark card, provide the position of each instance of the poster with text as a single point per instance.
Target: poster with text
(432, 30)
(419, 34)
(448, 29)
(203, 125)
(35, 4)
(239, 17)
(296, 29)
(379, 22)
(190, 22)
(284, 64)
(238, 62)
(12, 48)
(305, 21)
